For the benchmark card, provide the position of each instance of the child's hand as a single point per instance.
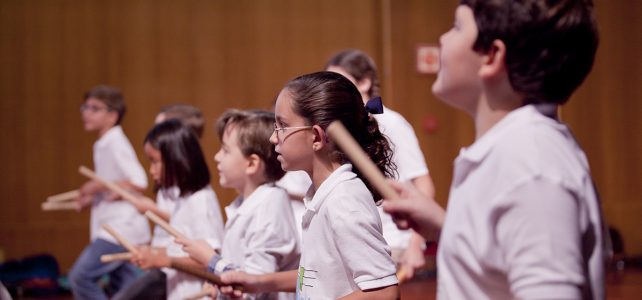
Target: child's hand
(411, 260)
(83, 201)
(199, 250)
(150, 258)
(87, 192)
(415, 210)
(91, 188)
(249, 282)
(210, 288)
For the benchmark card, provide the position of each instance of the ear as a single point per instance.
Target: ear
(493, 62)
(319, 139)
(364, 86)
(254, 164)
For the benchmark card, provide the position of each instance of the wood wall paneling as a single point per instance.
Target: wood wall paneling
(222, 54)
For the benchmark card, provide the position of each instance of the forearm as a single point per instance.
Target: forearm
(277, 282)
(385, 293)
(425, 185)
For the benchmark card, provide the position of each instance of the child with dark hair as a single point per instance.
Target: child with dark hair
(191, 116)
(407, 247)
(185, 198)
(523, 219)
(344, 252)
(260, 235)
(115, 160)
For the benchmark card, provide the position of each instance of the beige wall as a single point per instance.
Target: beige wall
(220, 54)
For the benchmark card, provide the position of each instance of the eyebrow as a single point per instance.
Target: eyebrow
(280, 120)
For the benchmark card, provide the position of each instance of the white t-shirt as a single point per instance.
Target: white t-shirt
(260, 235)
(197, 216)
(296, 183)
(343, 247)
(115, 160)
(407, 155)
(523, 218)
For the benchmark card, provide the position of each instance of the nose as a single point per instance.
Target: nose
(273, 138)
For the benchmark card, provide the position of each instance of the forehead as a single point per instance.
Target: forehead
(95, 101)
(283, 108)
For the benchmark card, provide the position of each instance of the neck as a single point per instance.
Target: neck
(251, 185)
(103, 131)
(321, 169)
(492, 107)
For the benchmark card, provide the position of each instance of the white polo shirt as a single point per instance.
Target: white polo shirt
(260, 235)
(523, 219)
(343, 248)
(296, 183)
(197, 216)
(410, 161)
(115, 160)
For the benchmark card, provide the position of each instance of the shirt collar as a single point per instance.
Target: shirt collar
(241, 206)
(476, 152)
(314, 198)
(473, 155)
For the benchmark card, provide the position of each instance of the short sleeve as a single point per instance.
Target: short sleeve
(540, 236)
(361, 246)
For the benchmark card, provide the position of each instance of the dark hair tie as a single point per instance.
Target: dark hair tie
(374, 106)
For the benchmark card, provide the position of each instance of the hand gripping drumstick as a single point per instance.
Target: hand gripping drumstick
(110, 185)
(62, 197)
(160, 222)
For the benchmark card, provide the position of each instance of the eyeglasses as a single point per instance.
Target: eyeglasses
(93, 108)
(283, 129)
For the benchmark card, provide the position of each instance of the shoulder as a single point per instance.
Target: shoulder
(544, 148)
(272, 199)
(348, 197)
(202, 198)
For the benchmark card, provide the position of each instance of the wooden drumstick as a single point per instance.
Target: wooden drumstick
(160, 222)
(342, 137)
(110, 185)
(115, 257)
(60, 206)
(195, 271)
(62, 197)
(120, 239)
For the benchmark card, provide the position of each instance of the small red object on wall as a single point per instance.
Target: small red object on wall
(427, 59)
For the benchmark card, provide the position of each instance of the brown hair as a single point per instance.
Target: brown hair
(254, 128)
(359, 65)
(111, 96)
(550, 45)
(323, 97)
(190, 116)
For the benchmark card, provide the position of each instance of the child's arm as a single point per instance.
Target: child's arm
(144, 204)
(150, 258)
(199, 250)
(87, 192)
(264, 283)
(415, 210)
(385, 293)
(128, 185)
